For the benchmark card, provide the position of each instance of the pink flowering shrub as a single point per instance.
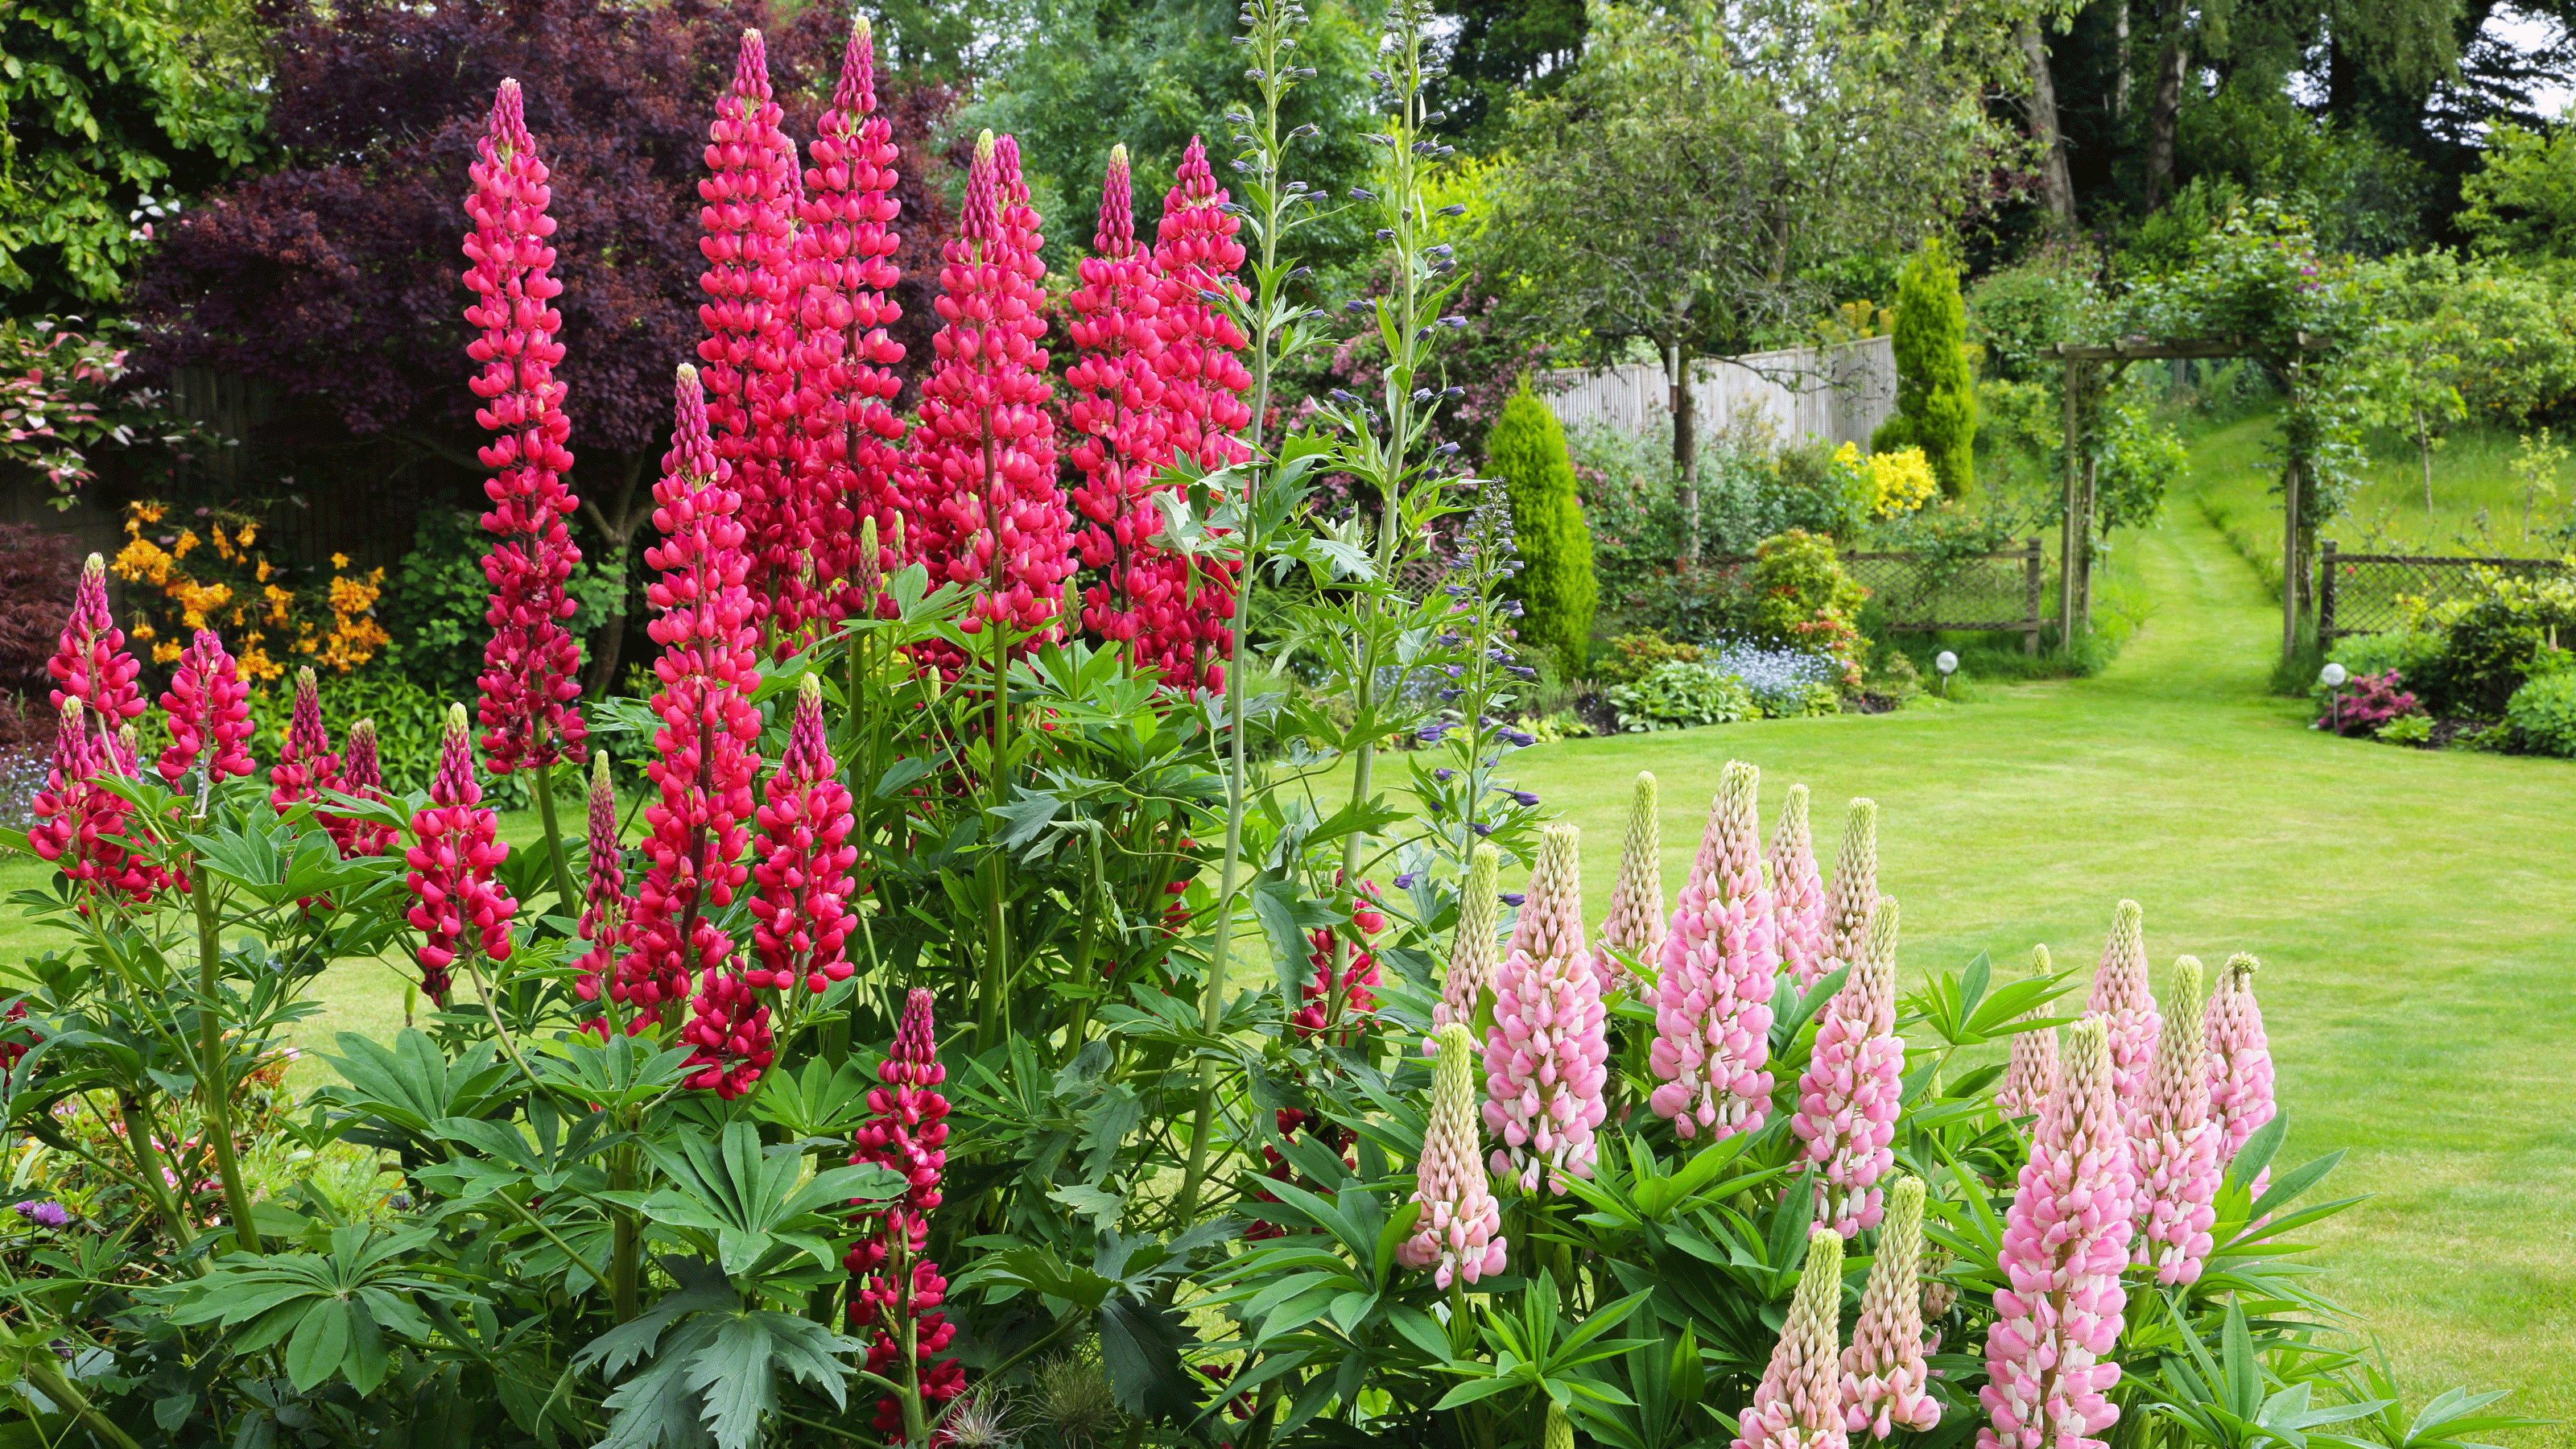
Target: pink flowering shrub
(2368, 701)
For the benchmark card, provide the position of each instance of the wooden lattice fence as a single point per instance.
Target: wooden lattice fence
(2368, 593)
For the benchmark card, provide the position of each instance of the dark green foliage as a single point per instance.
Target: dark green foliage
(2543, 714)
(1936, 392)
(1526, 450)
(2490, 647)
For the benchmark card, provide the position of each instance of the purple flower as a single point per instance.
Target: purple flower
(1522, 796)
(1522, 738)
(44, 1214)
(1404, 881)
(1512, 898)
(1443, 776)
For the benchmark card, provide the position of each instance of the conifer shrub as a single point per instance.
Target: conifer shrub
(1527, 451)
(1936, 391)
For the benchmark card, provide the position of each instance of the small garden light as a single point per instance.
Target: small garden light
(2332, 677)
(1948, 664)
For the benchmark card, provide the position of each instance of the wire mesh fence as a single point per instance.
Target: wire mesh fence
(2373, 593)
(1926, 593)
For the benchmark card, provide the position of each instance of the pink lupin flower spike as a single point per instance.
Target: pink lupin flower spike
(605, 903)
(1460, 1234)
(208, 704)
(1848, 1095)
(705, 751)
(909, 1133)
(2066, 1240)
(1636, 923)
(1546, 1054)
(1475, 961)
(90, 662)
(1884, 1376)
(2239, 1063)
(79, 826)
(457, 903)
(2122, 997)
(1798, 894)
(2174, 1145)
(1799, 1403)
(1713, 995)
(531, 680)
(1854, 893)
(801, 872)
(305, 767)
(2032, 1073)
(362, 774)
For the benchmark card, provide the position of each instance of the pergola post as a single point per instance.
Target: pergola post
(2070, 538)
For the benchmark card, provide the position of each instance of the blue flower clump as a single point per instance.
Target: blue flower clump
(1781, 680)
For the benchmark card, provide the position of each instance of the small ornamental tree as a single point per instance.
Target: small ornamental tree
(1527, 451)
(1936, 390)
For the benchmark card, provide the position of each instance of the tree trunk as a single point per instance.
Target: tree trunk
(2165, 110)
(617, 528)
(2056, 186)
(2120, 62)
(2424, 446)
(1677, 361)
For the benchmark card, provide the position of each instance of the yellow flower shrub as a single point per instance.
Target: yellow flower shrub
(328, 622)
(1896, 482)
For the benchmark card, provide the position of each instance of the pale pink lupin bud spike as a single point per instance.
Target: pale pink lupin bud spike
(981, 220)
(1884, 1376)
(2124, 998)
(751, 68)
(1115, 234)
(1848, 1095)
(1715, 973)
(1546, 1055)
(1799, 1403)
(1636, 922)
(1460, 1233)
(2240, 1062)
(1474, 956)
(2066, 1240)
(2032, 1074)
(510, 117)
(1797, 894)
(856, 95)
(2174, 1144)
(1854, 892)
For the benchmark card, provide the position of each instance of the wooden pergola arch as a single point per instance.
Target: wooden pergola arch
(2075, 568)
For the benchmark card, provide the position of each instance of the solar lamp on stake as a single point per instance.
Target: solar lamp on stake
(1948, 664)
(2332, 677)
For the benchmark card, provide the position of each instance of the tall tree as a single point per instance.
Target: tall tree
(1503, 48)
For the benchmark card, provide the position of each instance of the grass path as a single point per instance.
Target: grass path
(2412, 912)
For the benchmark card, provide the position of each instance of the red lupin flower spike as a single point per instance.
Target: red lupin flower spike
(457, 904)
(1115, 411)
(909, 1133)
(362, 775)
(801, 873)
(305, 767)
(208, 705)
(605, 905)
(80, 826)
(90, 661)
(531, 683)
(704, 751)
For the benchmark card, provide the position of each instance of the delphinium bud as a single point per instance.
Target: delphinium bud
(1854, 893)
(362, 775)
(2032, 1072)
(457, 903)
(801, 863)
(1474, 957)
(1636, 921)
(605, 904)
(208, 705)
(1546, 1055)
(704, 749)
(2066, 1240)
(1114, 410)
(2174, 1145)
(1713, 996)
(90, 662)
(1848, 1095)
(2123, 998)
(531, 681)
(305, 766)
(750, 313)
(1799, 1403)
(1798, 894)
(2240, 1063)
(1884, 1376)
(908, 1132)
(1460, 1233)
(78, 824)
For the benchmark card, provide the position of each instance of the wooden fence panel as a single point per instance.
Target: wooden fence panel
(1837, 394)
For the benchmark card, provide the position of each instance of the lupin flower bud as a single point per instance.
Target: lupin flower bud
(1713, 996)
(1636, 922)
(801, 875)
(90, 662)
(605, 904)
(1798, 894)
(78, 825)
(2240, 1063)
(1854, 893)
(457, 904)
(2123, 998)
(908, 1133)
(1460, 1233)
(704, 751)
(531, 684)
(362, 775)
(1546, 1055)
(1474, 959)
(1884, 1376)
(1004, 533)
(2174, 1145)
(208, 704)
(2066, 1240)
(1799, 1403)
(1560, 1429)
(305, 767)
(2032, 1074)
(1848, 1095)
